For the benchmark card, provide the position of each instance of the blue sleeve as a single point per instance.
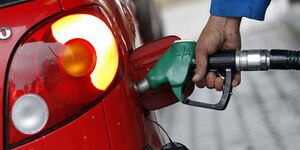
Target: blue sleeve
(253, 9)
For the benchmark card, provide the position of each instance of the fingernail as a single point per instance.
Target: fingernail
(196, 78)
(235, 83)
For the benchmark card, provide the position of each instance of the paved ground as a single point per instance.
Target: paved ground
(264, 112)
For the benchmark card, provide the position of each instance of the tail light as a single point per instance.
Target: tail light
(60, 69)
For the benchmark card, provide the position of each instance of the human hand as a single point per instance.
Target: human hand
(220, 33)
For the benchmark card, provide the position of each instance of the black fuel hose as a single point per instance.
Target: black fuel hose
(255, 60)
(285, 59)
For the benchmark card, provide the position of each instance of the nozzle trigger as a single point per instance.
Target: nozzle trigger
(222, 104)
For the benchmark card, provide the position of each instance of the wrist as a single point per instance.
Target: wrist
(225, 23)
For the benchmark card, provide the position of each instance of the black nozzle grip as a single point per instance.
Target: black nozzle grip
(222, 60)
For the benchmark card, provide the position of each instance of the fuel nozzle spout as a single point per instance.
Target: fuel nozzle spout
(143, 86)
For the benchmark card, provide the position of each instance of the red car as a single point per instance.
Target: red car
(67, 76)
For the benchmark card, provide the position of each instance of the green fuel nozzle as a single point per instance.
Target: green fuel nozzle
(176, 65)
(173, 68)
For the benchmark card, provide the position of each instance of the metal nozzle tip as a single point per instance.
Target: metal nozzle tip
(142, 86)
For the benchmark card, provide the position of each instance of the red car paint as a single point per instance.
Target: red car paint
(24, 17)
(119, 120)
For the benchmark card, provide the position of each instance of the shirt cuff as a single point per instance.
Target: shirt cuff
(239, 9)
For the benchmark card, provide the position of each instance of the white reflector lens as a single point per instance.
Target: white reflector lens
(30, 114)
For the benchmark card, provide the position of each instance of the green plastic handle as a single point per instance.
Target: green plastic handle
(173, 67)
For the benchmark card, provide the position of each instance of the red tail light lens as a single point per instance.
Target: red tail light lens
(60, 69)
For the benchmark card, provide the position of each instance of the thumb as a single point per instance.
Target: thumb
(201, 64)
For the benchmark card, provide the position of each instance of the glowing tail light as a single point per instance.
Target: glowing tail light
(62, 67)
(99, 35)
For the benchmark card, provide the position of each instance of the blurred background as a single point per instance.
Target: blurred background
(264, 112)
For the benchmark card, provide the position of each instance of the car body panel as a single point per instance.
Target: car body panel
(86, 132)
(127, 124)
(119, 121)
(20, 18)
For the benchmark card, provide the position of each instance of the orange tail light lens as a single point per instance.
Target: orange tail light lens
(78, 58)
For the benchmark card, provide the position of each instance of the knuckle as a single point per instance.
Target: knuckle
(218, 89)
(200, 85)
(209, 87)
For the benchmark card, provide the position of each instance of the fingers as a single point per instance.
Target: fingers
(201, 65)
(210, 80)
(236, 79)
(201, 84)
(219, 84)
